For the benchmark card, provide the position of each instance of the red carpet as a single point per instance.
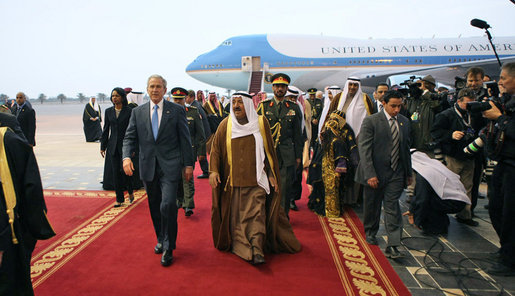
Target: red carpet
(100, 250)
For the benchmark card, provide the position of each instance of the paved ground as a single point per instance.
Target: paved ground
(455, 263)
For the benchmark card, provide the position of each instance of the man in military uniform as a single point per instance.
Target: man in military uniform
(317, 105)
(198, 138)
(286, 132)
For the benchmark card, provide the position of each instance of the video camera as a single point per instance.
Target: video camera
(411, 88)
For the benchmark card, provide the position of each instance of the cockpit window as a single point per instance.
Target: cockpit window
(226, 43)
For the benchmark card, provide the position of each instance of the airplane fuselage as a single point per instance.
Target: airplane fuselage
(318, 61)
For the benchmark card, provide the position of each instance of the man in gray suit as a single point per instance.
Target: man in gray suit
(384, 169)
(160, 129)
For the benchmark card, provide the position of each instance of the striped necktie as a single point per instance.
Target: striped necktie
(395, 143)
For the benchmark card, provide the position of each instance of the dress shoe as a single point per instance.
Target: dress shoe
(258, 259)
(131, 198)
(117, 205)
(372, 240)
(468, 222)
(167, 258)
(158, 248)
(501, 269)
(188, 212)
(293, 206)
(203, 176)
(392, 252)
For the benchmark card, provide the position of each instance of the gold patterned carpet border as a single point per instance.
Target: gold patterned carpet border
(359, 269)
(53, 257)
(79, 193)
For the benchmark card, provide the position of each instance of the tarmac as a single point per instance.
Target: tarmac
(455, 265)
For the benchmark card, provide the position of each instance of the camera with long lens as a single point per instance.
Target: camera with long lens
(475, 146)
(477, 107)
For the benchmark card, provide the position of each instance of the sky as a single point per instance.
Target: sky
(90, 47)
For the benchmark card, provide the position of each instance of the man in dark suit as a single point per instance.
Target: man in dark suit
(384, 169)
(204, 165)
(26, 117)
(160, 129)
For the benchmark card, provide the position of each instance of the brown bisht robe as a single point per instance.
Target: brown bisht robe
(279, 233)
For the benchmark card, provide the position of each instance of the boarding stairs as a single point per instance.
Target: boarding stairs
(256, 82)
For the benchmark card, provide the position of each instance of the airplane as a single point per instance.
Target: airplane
(247, 62)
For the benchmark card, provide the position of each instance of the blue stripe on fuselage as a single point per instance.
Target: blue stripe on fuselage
(228, 56)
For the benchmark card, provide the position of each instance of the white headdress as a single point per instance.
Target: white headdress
(357, 110)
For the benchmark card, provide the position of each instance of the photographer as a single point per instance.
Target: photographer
(474, 77)
(502, 202)
(422, 107)
(453, 130)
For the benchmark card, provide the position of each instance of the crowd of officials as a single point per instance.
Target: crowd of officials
(357, 150)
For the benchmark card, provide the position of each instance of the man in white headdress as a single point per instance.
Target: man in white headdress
(247, 218)
(91, 119)
(355, 104)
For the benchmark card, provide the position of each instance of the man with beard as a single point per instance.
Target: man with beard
(286, 133)
(356, 105)
(247, 218)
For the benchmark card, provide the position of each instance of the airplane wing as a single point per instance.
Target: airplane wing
(442, 73)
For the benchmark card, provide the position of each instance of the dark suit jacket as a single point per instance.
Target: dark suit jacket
(172, 148)
(27, 121)
(205, 122)
(114, 129)
(375, 145)
(11, 122)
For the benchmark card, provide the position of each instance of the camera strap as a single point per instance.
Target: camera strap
(465, 122)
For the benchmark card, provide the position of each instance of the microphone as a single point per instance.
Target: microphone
(479, 24)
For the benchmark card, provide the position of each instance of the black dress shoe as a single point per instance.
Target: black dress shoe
(501, 269)
(158, 248)
(372, 240)
(468, 222)
(392, 252)
(131, 198)
(293, 206)
(258, 259)
(203, 176)
(117, 205)
(167, 258)
(188, 212)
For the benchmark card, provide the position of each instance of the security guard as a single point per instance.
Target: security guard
(317, 105)
(185, 200)
(286, 132)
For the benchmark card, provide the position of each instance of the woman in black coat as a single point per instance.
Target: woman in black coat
(116, 120)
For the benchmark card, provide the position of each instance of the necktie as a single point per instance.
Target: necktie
(381, 107)
(280, 106)
(18, 110)
(395, 143)
(155, 121)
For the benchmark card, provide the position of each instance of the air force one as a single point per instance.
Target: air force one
(247, 62)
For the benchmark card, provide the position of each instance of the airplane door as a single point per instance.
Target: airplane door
(256, 64)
